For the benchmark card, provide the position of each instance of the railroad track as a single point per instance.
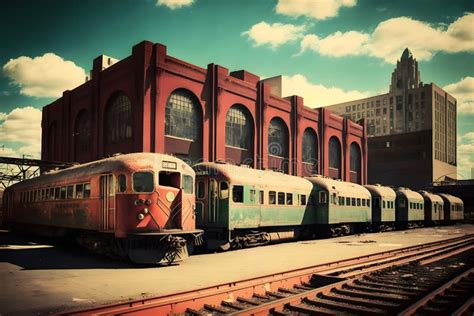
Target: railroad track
(382, 283)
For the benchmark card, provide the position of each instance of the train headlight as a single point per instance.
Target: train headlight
(145, 211)
(138, 202)
(140, 216)
(148, 202)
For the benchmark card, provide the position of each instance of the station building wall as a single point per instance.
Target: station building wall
(153, 102)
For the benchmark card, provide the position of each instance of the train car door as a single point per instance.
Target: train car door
(200, 202)
(107, 202)
(213, 201)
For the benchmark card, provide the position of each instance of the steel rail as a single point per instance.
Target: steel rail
(178, 302)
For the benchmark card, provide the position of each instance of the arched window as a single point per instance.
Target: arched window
(183, 118)
(118, 119)
(335, 156)
(82, 132)
(355, 162)
(278, 138)
(238, 128)
(310, 146)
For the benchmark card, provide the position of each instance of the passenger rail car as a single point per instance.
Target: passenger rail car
(341, 208)
(410, 210)
(434, 208)
(383, 207)
(241, 207)
(453, 208)
(138, 205)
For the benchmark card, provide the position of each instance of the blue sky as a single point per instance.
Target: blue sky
(328, 51)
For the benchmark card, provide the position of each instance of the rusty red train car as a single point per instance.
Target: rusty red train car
(140, 205)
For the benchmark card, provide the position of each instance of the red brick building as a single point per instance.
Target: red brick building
(153, 102)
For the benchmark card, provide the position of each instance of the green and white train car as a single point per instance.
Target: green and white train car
(341, 207)
(410, 211)
(434, 206)
(453, 208)
(242, 207)
(383, 206)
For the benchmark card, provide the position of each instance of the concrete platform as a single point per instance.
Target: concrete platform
(39, 278)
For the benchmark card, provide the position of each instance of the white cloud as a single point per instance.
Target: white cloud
(174, 4)
(337, 44)
(22, 126)
(316, 95)
(467, 137)
(317, 9)
(275, 34)
(465, 159)
(463, 91)
(44, 76)
(392, 36)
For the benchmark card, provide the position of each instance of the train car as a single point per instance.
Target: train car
(434, 205)
(341, 207)
(139, 205)
(243, 207)
(383, 207)
(409, 212)
(453, 208)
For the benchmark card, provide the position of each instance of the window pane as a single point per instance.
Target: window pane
(182, 118)
(200, 190)
(87, 190)
(238, 128)
(322, 197)
(63, 193)
(57, 194)
(310, 143)
(118, 120)
(334, 153)
(188, 184)
(238, 193)
(260, 197)
(82, 132)
(278, 138)
(289, 198)
(122, 183)
(281, 198)
(272, 197)
(79, 191)
(70, 191)
(143, 182)
(303, 199)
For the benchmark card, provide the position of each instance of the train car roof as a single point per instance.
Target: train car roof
(246, 175)
(381, 190)
(433, 197)
(341, 187)
(410, 194)
(451, 198)
(116, 163)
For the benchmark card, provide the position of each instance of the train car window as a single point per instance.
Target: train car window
(35, 195)
(122, 183)
(169, 179)
(51, 193)
(272, 197)
(252, 195)
(303, 199)
(143, 180)
(260, 197)
(200, 190)
(188, 184)
(238, 194)
(383, 203)
(63, 193)
(363, 202)
(281, 198)
(348, 201)
(368, 202)
(47, 194)
(358, 202)
(70, 192)
(223, 190)
(323, 197)
(79, 191)
(289, 198)
(111, 184)
(402, 202)
(353, 202)
(341, 200)
(87, 190)
(57, 194)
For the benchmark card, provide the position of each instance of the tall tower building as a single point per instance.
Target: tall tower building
(411, 129)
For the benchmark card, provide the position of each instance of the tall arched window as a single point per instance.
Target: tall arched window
(355, 162)
(239, 128)
(82, 132)
(335, 157)
(183, 118)
(309, 152)
(118, 119)
(278, 138)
